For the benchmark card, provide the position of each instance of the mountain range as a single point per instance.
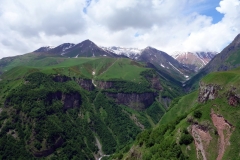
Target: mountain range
(181, 69)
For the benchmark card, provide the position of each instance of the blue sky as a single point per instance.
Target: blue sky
(210, 10)
(168, 25)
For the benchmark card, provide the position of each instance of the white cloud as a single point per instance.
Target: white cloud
(167, 25)
(214, 37)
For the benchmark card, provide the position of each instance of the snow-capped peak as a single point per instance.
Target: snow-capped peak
(194, 60)
(129, 52)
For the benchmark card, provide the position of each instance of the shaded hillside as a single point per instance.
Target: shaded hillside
(201, 125)
(227, 59)
(165, 63)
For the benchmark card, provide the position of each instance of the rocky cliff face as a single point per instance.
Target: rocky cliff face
(210, 92)
(104, 84)
(207, 92)
(137, 101)
(84, 83)
(69, 100)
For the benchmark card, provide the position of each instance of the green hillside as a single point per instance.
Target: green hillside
(202, 124)
(77, 108)
(39, 60)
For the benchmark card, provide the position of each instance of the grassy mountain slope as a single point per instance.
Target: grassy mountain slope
(38, 60)
(54, 110)
(203, 124)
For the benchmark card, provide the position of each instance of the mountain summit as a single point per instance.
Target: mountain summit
(84, 49)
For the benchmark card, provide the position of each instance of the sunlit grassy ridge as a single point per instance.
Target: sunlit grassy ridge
(97, 68)
(223, 78)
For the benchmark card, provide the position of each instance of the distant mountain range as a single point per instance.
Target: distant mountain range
(194, 60)
(158, 59)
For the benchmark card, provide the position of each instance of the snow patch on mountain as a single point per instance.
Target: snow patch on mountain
(194, 60)
(67, 47)
(129, 52)
(175, 68)
(44, 49)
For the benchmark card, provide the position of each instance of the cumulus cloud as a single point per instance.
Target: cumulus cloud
(119, 15)
(214, 37)
(177, 25)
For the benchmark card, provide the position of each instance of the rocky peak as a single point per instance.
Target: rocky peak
(87, 43)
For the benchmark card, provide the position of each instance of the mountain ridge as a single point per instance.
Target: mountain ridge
(227, 59)
(194, 60)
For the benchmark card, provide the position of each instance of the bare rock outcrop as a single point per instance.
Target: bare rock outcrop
(233, 97)
(137, 101)
(84, 83)
(104, 84)
(69, 100)
(207, 92)
(202, 139)
(233, 100)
